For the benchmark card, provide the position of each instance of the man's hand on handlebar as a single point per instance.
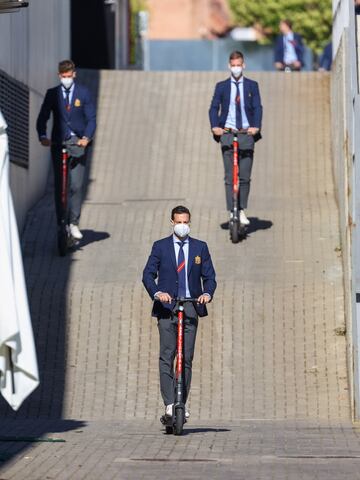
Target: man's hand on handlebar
(45, 142)
(252, 131)
(163, 297)
(83, 142)
(166, 298)
(204, 298)
(218, 131)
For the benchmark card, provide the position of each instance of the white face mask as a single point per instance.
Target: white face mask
(182, 230)
(67, 82)
(236, 71)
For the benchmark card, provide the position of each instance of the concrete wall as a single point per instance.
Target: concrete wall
(32, 41)
(346, 157)
(206, 55)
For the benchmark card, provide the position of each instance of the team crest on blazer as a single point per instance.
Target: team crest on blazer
(197, 260)
(77, 103)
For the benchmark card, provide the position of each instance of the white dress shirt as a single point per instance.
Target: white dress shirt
(289, 50)
(231, 118)
(71, 91)
(186, 254)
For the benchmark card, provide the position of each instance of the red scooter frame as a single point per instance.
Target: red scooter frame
(65, 239)
(175, 423)
(64, 178)
(236, 228)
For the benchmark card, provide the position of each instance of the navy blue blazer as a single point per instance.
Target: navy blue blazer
(326, 57)
(81, 119)
(161, 265)
(279, 48)
(219, 108)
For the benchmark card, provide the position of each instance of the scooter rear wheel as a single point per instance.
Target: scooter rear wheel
(179, 421)
(234, 230)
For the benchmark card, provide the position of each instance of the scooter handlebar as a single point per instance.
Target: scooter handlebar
(181, 299)
(232, 130)
(185, 299)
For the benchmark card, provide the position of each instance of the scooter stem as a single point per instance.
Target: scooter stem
(235, 172)
(179, 361)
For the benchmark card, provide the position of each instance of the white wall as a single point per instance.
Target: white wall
(32, 41)
(345, 103)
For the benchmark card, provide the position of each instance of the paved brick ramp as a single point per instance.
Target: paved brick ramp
(270, 383)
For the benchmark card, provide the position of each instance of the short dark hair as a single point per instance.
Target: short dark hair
(236, 54)
(287, 22)
(66, 66)
(178, 210)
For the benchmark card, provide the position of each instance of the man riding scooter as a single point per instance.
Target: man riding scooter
(236, 106)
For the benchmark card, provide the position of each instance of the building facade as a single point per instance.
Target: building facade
(32, 41)
(188, 19)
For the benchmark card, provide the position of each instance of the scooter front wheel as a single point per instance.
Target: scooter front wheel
(62, 241)
(234, 230)
(179, 421)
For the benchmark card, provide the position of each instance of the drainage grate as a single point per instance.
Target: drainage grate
(319, 457)
(166, 460)
(176, 460)
(14, 104)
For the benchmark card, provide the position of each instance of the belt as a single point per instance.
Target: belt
(232, 130)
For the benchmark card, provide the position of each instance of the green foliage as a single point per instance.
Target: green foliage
(311, 18)
(135, 7)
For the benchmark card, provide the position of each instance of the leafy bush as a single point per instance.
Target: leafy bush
(311, 18)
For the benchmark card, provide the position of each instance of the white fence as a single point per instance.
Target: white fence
(346, 156)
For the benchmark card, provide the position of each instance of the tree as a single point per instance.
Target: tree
(135, 7)
(311, 18)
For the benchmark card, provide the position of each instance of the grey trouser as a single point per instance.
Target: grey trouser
(246, 156)
(168, 339)
(75, 185)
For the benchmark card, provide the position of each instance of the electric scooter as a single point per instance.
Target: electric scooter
(175, 423)
(64, 238)
(237, 230)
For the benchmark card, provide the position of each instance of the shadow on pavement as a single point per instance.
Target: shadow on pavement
(91, 236)
(258, 224)
(191, 431)
(18, 435)
(255, 225)
(47, 278)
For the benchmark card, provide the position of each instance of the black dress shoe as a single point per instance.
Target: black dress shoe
(225, 226)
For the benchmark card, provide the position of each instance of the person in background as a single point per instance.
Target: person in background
(289, 48)
(236, 105)
(74, 122)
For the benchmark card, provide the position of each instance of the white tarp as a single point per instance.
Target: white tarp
(18, 365)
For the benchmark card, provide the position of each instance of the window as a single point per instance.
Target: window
(14, 104)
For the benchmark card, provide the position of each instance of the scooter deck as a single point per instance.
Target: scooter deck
(169, 421)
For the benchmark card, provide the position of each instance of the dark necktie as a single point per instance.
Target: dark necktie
(181, 271)
(237, 106)
(67, 99)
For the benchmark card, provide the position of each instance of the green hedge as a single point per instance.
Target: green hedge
(135, 7)
(311, 18)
